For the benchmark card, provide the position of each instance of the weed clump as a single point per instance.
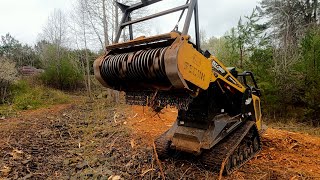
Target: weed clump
(26, 96)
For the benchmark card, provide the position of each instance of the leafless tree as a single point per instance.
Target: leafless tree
(56, 33)
(99, 20)
(94, 22)
(80, 31)
(56, 29)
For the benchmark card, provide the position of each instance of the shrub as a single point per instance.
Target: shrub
(8, 75)
(62, 74)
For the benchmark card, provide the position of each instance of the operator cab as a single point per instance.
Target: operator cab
(249, 83)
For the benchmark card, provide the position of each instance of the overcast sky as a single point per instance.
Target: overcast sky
(24, 19)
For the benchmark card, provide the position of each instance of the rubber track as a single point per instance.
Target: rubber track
(217, 157)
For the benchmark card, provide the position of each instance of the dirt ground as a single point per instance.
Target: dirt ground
(101, 141)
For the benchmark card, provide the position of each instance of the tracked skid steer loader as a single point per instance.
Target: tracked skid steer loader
(219, 117)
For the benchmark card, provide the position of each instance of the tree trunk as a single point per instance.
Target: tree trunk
(116, 22)
(308, 13)
(86, 57)
(105, 24)
(241, 56)
(315, 11)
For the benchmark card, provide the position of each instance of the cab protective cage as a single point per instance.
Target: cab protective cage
(191, 6)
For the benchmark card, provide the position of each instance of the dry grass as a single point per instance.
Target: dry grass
(294, 126)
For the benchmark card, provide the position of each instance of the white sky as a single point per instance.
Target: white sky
(216, 16)
(24, 19)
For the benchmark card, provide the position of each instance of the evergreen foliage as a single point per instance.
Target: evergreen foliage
(283, 53)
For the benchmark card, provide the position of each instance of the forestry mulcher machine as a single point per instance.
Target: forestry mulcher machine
(219, 116)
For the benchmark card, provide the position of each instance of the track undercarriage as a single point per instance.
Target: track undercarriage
(221, 142)
(228, 155)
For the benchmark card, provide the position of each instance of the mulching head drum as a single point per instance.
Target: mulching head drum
(134, 70)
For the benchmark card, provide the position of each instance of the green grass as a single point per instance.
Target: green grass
(26, 95)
